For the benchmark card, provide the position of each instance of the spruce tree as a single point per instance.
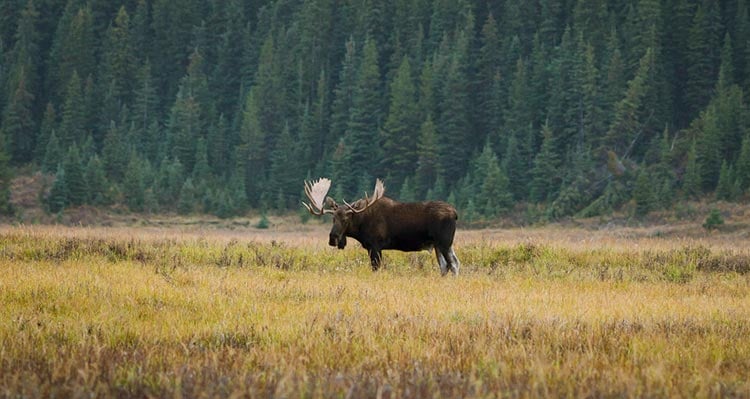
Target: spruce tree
(73, 113)
(643, 194)
(364, 120)
(691, 180)
(427, 158)
(743, 165)
(17, 122)
(57, 199)
(48, 125)
(725, 185)
(133, 185)
(400, 132)
(75, 181)
(5, 178)
(52, 155)
(96, 181)
(187, 202)
(545, 172)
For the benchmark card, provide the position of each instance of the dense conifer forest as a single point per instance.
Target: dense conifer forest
(554, 107)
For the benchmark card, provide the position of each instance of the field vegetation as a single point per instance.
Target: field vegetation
(544, 312)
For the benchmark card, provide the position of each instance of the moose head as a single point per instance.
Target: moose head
(342, 215)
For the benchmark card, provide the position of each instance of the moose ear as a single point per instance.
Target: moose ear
(331, 203)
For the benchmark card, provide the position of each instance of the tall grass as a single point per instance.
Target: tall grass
(135, 313)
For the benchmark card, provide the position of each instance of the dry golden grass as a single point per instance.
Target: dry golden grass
(193, 312)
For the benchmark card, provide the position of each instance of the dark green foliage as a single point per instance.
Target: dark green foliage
(96, 181)
(133, 185)
(187, 202)
(247, 98)
(75, 180)
(57, 199)
(713, 220)
(5, 176)
(643, 194)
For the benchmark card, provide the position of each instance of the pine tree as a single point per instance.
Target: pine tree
(73, 49)
(743, 165)
(495, 196)
(119, 58)
(187, 202)
(133, 185)
(284, 175)
(48, 126)
(73, 114)
(725, 185)
(17, 122)
(96, 181)
(115, 153)
(708, 155)
(545, 173)
(58, 194)
(75, 181)
(427, 158)
(400, 132)
(643, 194)
(453, 123)
(702, 58)
(52, 155)
(5, 178)
(691, 180)
(364, 120)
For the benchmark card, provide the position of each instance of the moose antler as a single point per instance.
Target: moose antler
(376, 195)
(316, 193)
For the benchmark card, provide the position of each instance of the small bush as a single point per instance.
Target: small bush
(714, 220)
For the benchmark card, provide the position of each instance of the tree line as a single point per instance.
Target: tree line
(569, 108)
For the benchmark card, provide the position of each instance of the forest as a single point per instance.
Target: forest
(550, 108)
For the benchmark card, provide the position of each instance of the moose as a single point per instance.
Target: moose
(379, 223)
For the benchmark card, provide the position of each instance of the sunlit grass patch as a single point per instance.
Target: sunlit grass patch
(164, 314)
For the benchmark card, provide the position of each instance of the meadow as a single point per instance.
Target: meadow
(543, 312)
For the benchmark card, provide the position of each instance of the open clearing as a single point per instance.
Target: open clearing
(548, 312)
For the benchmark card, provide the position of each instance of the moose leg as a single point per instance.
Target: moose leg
(375, 259)
(451, 260)
(455, 264)
(441, 261)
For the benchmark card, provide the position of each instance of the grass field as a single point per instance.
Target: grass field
(547, 312)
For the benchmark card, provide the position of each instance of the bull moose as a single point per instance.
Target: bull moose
(379, 223)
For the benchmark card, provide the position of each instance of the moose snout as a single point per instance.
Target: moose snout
(337, 241)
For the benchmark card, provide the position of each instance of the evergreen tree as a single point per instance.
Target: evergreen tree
(73, 49)
(691, 180)
(74, 180)
(643, 194)
(48, 125)
(284, 173)
(115, 153)
(58, 194)
(133, 185)
(5, 178)
(743, 165)
(187, 202)
(427, 158)
(495, 196)
(119, 58)
(702, 58)
(453, 123)
(545, 173)
(96, 181)
(725, 185)
(364, 120)
(17, 122)
(399, 135)
(73, 114)
(52, 155)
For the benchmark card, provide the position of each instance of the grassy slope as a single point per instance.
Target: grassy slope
(542, 312)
